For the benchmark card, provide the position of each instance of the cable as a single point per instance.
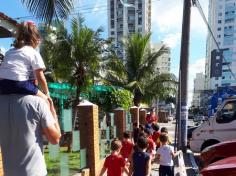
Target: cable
(197, 4)
(79, 9)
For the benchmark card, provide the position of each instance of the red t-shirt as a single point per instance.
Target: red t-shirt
(126, 149)
(156, 135)
(151, 118)
(114, 165)
(151, 144)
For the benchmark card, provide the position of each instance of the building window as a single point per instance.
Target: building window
(220, 14)
(218, 36)
(219, 21)
(219, 29)
(139, 21)
(216, 78)
(112, 32)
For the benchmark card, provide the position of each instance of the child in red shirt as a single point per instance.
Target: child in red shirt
(127, 146)
(114, 164)
(156, 134)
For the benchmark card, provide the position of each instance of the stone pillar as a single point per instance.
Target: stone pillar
(142, 116)
(134, 111)
(1, 167)
(119, 118)
(87, 114)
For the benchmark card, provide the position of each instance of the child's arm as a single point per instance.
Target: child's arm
(148, 167)
(42, 80)
(131, 168)
(102, 171)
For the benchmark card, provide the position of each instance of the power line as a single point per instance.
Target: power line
(77, 10)
(198, 5)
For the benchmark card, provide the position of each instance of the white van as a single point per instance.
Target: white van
(220, 127)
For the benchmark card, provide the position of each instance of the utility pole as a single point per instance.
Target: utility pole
(184, 59)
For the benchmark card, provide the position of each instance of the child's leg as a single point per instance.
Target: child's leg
(20, 87)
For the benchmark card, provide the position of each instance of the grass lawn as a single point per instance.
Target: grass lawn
(63, 163)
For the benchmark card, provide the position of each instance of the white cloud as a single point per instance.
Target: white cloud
(167, 16)
(172, 39)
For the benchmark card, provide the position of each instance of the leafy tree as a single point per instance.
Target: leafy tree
(109, 100)
(137, 72)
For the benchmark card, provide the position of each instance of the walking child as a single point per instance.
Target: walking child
(22, 65)
(141, 161)
(127, 146)
(165, 154)
(114, 164)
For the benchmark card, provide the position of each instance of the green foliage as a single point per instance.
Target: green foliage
(138, 71)
(109, 100)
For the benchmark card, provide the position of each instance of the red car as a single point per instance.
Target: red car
(218, 151)
(226, 167)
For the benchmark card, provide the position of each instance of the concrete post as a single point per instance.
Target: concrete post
(135, 114)
(89, 134)
(119, 118)
(142, 116)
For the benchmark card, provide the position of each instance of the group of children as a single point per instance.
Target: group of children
(135, 156)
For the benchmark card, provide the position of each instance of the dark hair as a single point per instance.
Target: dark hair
(163, 138)
(135, 124)
(27, 34)
(148, 131)
(164, 129)
(126, 135)
(141, 127)
(155, 127)
(142, 134)
(115, 144)
(142, 143)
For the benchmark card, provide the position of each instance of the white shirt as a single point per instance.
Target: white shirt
(165, 153)
(20, 64)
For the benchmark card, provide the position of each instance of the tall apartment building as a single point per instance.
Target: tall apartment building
(198, 88)
(164, 61)
(125, 18)
(221, 64)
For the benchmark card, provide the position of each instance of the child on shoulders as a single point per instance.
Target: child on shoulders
(22, 65)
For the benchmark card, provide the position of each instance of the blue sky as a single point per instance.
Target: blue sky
(166, 26)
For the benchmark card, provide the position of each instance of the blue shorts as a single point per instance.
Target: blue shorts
(18, 87)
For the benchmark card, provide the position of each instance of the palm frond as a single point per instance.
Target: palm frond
(47, 10)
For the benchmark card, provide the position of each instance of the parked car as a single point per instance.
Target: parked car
(225, 167)
(218, 151)
(199, 118)
(219, 128)
(189, 133)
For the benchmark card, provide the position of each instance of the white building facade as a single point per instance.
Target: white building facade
(198, 88)
(126, 18)
(164, 61)
(221, 64)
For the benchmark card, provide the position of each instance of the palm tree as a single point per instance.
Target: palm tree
(46, 10)
(74, 57)
(137, 72)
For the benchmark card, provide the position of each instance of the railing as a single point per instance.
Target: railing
(67, 158)
(107, 132)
